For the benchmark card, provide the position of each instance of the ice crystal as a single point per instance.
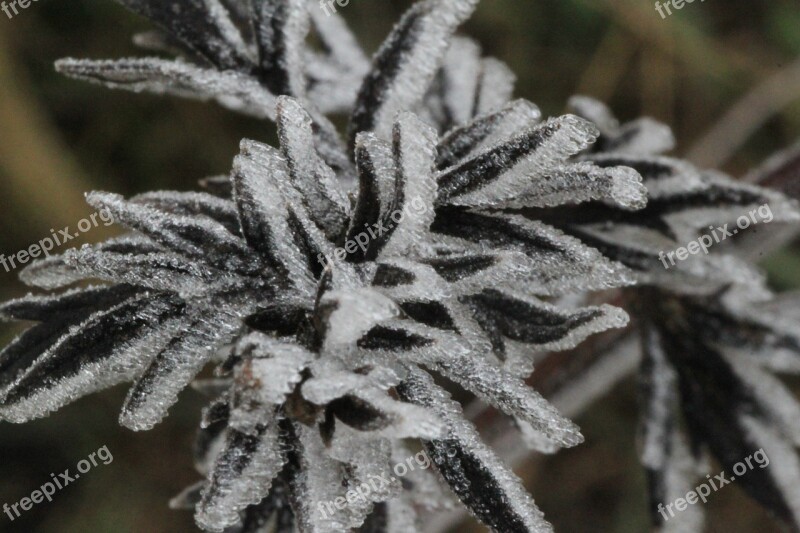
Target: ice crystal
(341, 286)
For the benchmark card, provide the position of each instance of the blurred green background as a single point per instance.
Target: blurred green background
(59, 138)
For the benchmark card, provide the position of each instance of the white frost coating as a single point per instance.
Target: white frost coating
(205, 462)
(514, 496)
(263, 177)
(543, 271)
(273, 167)
(353, 314)
(519, 356)
(257, 172)
(126, 361)
(502, 390)
(176, 366)
(784, 466)
(535, 440)
(319, 482)
(420, 64)
(50, 273)
(385, 168)
(583, 182)
(681, 478)
(516, 118)
(461, 75)
(339, 73)
(230, 33)
(594, 110)
(236, 91)
(657, 428)
(369, 460)
(212, 387)
(679, 176)
(643, 136)
(430, 492)
(57, 272)
(775, 359)
(334, 89)
(307, 170)
(229, 491)
(474, 337)
(402, 517)
(722, 269)
(553, 143)
(427, 284)
(609, 317)
(295, 31)
(339, 40)
(689, 223)
(415, 153)
(520, 117)
(181, 201)
(6, 308)
(272, 368)
(164, 226)
(408, 420)
(653, 137)
(698, 274)
(496, 85)
(159, 271)
(756, 304)
(291, 205)
(332, 380)
(772, 395)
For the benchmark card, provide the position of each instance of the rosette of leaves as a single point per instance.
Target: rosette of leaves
(325, 359)
(708, 335)
(326, 362)
(710, 339)
(329, 360)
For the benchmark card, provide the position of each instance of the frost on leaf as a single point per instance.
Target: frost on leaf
(406, 64)
(242, 475)
(642, 136)
(231, 89)
(466, 463)
(333, 287)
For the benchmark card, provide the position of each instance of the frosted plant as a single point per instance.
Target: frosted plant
(465, 220)
(711, 336)
(325, 365)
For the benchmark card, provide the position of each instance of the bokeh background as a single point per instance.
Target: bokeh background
(724, 74)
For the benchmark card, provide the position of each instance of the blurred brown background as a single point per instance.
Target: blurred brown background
(60, 138)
